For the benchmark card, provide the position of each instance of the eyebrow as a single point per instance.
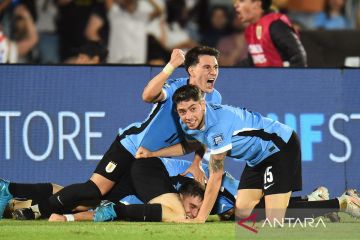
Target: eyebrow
(182, 109)
(208, 65)
(193, 205)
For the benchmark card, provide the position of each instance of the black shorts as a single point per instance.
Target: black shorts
(150, 179)
(115, 162)
(123, 188)
(279, 173)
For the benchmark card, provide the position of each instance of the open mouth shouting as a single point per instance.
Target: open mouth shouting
(210, 83)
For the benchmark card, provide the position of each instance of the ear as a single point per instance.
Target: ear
(203, 104)
(95, 60)
(191, 70)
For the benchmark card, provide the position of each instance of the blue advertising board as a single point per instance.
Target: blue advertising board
(57, 121)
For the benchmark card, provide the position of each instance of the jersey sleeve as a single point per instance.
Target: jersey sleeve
(218, 141)
(218, 98)
(288, 44)
(170, 87)
(214, 98)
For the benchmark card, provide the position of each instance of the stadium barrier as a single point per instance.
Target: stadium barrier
(57, 121)
(335, 48)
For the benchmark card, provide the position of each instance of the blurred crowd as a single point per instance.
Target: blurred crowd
(144, 31)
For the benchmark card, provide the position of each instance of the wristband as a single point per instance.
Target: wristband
(69, 217)
(168, 69)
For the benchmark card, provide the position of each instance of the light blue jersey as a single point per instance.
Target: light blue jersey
(161, 128)
(243, 134)
(228, 190)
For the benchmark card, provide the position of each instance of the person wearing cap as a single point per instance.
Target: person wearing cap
(272, 40)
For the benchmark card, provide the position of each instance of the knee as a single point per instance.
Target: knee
(246, 204)
(103, 184)
(244, 209)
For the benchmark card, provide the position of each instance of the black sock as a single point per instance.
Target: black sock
(36, 191)
(301, 208)
(311, 209)
(68, 198)
(261, 203)
(139, 212)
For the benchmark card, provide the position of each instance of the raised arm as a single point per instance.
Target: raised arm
(25, 45)
(153, 91)
(157, 10)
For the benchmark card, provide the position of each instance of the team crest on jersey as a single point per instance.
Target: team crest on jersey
(258, 32)
(110, 167)
(218, 139)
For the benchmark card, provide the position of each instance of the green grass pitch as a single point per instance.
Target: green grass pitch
(349, 228)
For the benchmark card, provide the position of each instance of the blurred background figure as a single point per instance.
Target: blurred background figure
(97, 27)
(7, 49)
(90, 53)
(3, 5)
(333, 16)
(271, 38)
(128, 21)
(218, 26)
(233, 47)
(21, 35)
(352, 10)
(157, 53)
(48, 46)
(176, 33)
(73, 16)
(302, 12)
(145, 31)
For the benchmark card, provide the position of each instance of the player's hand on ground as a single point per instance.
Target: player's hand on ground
(177, 58)
(143, 153)
(57, 218)
(197, 172)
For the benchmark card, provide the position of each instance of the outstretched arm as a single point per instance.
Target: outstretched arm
(172, 151)
(212, 189)
(195, 168)
(179, 149)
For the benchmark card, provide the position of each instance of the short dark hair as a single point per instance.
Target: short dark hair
(192, 188)
(192, 56)
(92, 49)
(186, 93)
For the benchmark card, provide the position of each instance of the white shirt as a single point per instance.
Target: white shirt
(128, 39)
(8, 50)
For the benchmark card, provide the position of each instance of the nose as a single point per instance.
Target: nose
(194, 213)
(188, 115)
(213, 71)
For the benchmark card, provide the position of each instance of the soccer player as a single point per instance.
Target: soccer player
(124, 191)
(272, 40)
(271, 151)
(168, 199)
(160, 129)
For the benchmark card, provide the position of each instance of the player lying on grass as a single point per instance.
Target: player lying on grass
(271, 151)
(223, 207)
(151, 183)
(174, 167)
